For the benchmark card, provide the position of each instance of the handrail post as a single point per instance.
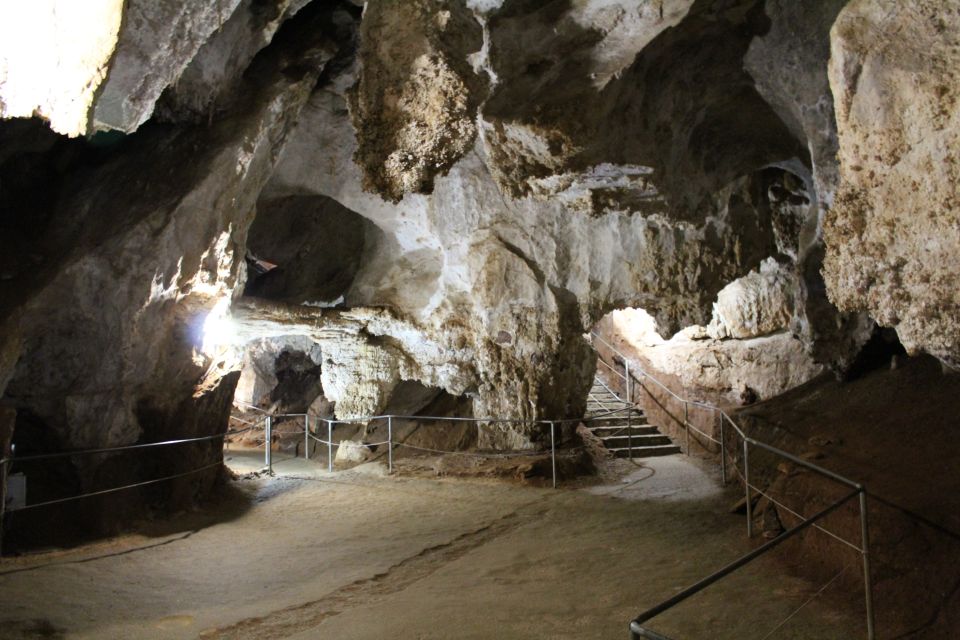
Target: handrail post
(3, 495)
(723, 448)
(330, 445)
(686, 423)
(630, 432)
(306, 436)
(390, 444)
(746, 485)
(626, 367)
(268, 436)
(867, 581)
(553, 453)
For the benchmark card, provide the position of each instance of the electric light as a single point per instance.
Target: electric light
(219, 330)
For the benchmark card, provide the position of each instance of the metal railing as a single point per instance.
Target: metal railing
(7, 463)
(265, 422)
(315, 432)
(637, 630)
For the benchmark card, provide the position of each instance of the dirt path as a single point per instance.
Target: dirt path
(358, 555)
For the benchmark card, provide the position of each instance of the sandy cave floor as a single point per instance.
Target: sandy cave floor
(358, 554)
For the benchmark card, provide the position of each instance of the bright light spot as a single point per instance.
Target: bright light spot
(219, 330)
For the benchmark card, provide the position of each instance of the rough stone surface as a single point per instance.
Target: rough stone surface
(730, 370)
(151, 250)
(516, 281)
(157, 40)
(547, 115)
(314, 246)
(54, 55)
(352, 451)
(757, 304)
(104, 64)
(280, 374)
(415, 101)
(214, 72)
(893, 233)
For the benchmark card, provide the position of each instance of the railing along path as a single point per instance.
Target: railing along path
(265, 423)
(629, 376)
(630, 379)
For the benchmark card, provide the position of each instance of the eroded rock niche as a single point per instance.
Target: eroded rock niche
(450, 194)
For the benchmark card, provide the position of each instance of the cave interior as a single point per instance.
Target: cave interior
(489, 241)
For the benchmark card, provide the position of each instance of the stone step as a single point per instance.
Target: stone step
(647, 452)
(612, 413)
(605, 409)
(635, 429)
(617, 418)
(623, 441)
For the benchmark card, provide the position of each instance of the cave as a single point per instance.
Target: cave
(482, 318)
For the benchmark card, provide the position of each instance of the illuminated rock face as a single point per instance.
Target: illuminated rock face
(758, 304)
(417, 99)
(735, 370)
(54, 55)
(104, 64)
(516, 282)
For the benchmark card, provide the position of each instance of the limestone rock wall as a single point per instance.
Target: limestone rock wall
(141, 249)
(280, 374)
(731, 371)
(414, 106)
(54, 55)
(215, 69)
(518, 280)
(155, 44)
(151, 262)
(893, 233)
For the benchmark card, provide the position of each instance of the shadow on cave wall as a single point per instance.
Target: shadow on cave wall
(304, 249)
(685, 106)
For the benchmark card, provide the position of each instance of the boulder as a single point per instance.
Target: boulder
(352, 451)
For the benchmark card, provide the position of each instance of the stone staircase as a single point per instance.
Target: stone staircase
(624, 428)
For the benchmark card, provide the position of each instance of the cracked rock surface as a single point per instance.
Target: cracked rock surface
(893, 233)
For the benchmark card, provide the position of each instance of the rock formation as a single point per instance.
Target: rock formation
(893, 233)
(451, 193)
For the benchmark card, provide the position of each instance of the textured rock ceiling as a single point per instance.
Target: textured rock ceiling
(453, 191)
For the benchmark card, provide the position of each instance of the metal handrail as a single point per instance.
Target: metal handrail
(251, 407)
(637, 631)
(145, 445)
(266, 423)
(331, 422)
(5, 462)
(747, 442)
